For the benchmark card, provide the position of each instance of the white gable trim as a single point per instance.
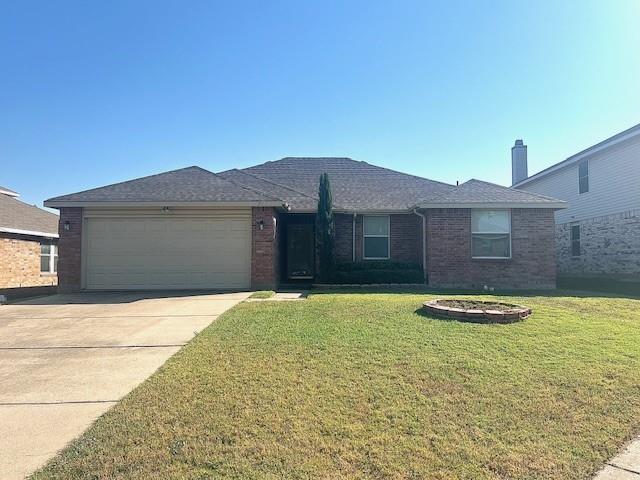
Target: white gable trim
(32, 233)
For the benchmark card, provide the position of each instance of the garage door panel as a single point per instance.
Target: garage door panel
(168, 253)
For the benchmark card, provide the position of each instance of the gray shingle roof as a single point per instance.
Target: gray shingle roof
(191, 184)
(17, 215)
(359, 186)
(356, 186)
(480, 192)
(287, 194)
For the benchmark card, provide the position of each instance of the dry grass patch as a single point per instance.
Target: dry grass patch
(347, 386)
(262, 294)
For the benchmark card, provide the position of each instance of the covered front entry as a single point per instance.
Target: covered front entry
(298, 247)
(171, 250)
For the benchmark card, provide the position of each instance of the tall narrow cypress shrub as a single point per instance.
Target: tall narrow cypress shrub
(325, 230)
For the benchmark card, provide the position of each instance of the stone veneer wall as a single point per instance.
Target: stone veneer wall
(532, 266)
(609, 246)
(20, 262)
(264, 249)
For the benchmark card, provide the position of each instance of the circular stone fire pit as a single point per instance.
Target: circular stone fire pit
(477, 311)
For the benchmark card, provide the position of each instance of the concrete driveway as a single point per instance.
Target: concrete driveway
(66, 359)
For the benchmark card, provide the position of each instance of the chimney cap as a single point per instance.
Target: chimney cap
(519, 143)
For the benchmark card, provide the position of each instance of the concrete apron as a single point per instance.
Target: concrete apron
(66, 359)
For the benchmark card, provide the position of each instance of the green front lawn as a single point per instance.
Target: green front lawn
(344, 386)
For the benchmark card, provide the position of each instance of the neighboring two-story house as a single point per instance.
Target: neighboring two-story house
(599, 233)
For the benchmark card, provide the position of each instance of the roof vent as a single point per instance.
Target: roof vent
(518, 162)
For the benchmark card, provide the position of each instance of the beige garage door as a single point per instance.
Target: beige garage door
(128, 253)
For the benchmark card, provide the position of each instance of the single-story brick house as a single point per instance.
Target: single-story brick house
(254, 228)
(28, 247)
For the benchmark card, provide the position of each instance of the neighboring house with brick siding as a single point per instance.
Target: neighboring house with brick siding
(598, 235)
(255, 228)
(28, 246)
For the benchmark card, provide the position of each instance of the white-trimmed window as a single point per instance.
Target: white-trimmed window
(48, 258)
(491, 233)
(376, 237)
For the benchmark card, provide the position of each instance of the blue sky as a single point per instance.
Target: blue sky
(97, 92)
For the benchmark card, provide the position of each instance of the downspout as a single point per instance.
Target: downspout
(424, 243)
(353, 240)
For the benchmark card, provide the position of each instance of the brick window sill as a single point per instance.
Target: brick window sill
(48, 275)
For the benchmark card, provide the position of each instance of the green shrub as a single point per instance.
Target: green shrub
(377, 272)
(377, 265)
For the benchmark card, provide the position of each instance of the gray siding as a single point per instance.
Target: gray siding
(614, 184)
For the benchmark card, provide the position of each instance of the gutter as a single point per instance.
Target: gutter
(141, 204)
(501, 205)
(424, 243)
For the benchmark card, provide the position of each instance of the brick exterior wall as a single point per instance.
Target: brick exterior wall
(70, 250)
(405, 238)
(609, 246)
(532, 266)
(449, 262)
(344, 237)
(20, 262)
(264, 249)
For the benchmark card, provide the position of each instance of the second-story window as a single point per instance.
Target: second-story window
(583, 177)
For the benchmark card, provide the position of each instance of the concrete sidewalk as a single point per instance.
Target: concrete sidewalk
(66, 359)
(625, 466)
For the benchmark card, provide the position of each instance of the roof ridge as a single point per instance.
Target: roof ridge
(482, 181)
(254, 190)
(274, 183)
(356, 161)
(407, 174)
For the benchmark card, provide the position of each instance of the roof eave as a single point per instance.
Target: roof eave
(9, 193)
(351, 211)
(30, 233)
(53, 203)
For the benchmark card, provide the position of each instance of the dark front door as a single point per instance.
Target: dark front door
(300, 251)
